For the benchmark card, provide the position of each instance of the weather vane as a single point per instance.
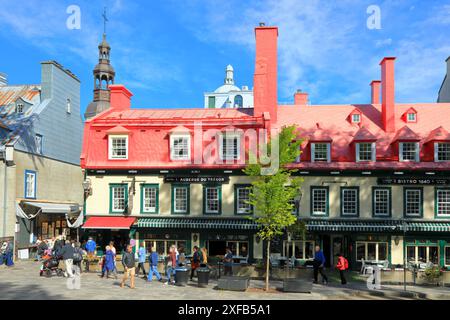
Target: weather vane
(105, 19)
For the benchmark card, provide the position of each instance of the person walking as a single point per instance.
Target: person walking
(195, 261)
(171, 264)
(129, 266)
(67, 252)
(228, 262)
(109, 266)
(141, 261)
(153, 266)
(342, 265)
(78, 253)
(318, 265)
(90, 248)
(114, 251)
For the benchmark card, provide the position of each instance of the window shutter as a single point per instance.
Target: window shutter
(374, 152)
(313, 148)
(436, 157)
(400, 151)
(417, 152)
(357, 152)
(328, 152)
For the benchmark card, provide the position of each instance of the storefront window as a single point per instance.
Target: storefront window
(163, 246)
(422, 254)
(371, 250)
(447, 256)
(300, 249)
(238, 248)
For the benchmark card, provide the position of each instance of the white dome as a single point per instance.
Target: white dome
(227, 88)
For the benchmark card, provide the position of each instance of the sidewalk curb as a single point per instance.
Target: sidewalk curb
(403, 294)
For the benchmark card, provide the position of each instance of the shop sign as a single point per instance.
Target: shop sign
(208, 179)
(414, 181)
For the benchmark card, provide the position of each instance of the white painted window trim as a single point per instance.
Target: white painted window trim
(436, 152)
(359, 118)
(400, 152)
(373, 152)
(407, 214)
(110, 147)
(30, 185)
(186, 200)
(411, 120)
(313, 149)
(348, 214)
(173, 136)
(229, 135)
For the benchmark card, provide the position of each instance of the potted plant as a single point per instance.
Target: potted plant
(432, 275)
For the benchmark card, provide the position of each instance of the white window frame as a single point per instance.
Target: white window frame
(313, 151)
(353, 118)
(302, 243)
(417, 153)
(110, 147)
(187, 202)
(237, 243)
(217, 188)
(175, 157)
(30, 190)
(19, 108)
(373, 151)
(223, 156)
(389, 204)
(366, 249)
(412, 190)
(320, 213)
(436, 151)
(248, 207)
(416, 252)
(113, 198)
(356, 202)
(437, 204)
(145, 208)
(445, 255)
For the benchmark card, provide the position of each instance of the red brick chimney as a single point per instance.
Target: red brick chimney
(375, 91)
(300, 98)
(388, 94)
(120, 97)
(265, 78)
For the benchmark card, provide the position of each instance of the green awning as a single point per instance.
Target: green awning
(376, 225)
(197, 223)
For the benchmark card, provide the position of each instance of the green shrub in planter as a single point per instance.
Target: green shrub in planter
(432, 274)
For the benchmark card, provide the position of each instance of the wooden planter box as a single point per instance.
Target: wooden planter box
(233, 283)
(296, 285)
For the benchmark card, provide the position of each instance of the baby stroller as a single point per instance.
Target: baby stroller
(50, 266)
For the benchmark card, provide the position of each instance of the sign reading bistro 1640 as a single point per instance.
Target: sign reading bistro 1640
(417, 181)
(224, 179)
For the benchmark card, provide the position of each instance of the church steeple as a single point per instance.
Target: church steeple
(103, 77)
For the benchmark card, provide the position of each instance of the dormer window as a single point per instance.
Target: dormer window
(356, 118)
(230, 146)
(320, 152)
(441, 151)
(118, 147)
(180, 146)
(19, 108)
(365, 151)
(411, 117)
(409, 151)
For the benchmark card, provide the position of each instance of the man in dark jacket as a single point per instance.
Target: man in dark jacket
(318, 264)
(67, 254)
(129, 266)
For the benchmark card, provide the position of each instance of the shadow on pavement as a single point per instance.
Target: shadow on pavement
(10, 291)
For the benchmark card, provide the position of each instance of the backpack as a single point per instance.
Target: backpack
(77, 255)
(345, 261)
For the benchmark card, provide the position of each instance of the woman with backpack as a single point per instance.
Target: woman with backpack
(342, 265)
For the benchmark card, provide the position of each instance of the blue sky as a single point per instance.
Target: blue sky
(169, 52)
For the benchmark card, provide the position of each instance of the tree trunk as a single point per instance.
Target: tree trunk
(267, 265)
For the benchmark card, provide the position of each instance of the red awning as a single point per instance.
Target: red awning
(109, 222)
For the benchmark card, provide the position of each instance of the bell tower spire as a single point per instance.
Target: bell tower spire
(104, 75)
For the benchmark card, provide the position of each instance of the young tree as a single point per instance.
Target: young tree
(272, 195)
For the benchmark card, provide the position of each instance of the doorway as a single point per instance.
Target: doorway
(337, 247)
(326, 248)
(216, 248)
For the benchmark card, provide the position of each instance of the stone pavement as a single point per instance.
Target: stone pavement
(23, 282)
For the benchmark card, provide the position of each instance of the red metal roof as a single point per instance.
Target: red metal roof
(109, 222)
